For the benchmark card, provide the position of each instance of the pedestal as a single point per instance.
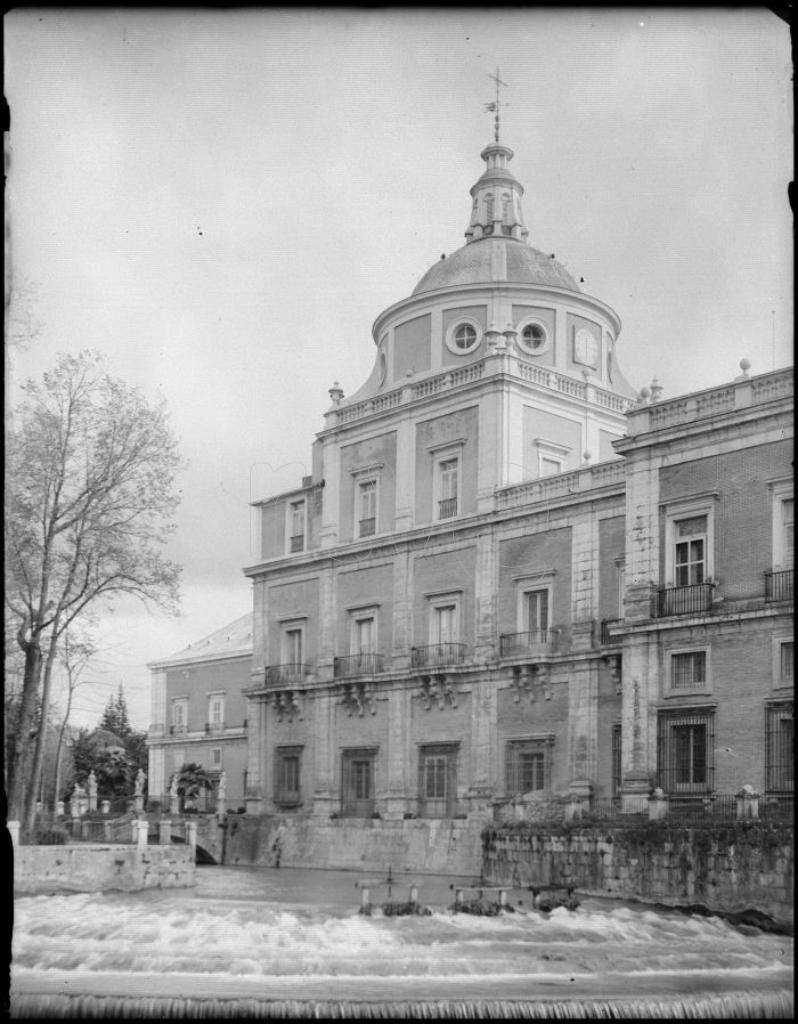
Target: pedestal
(139, 805)
(105, 807)
(635, 792)
(59, 808)
(164, 832)
(191, 835)
(140, 829)
(174, 805)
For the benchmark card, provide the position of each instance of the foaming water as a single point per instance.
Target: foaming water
(253, 934)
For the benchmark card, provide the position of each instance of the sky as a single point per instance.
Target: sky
(222, 202)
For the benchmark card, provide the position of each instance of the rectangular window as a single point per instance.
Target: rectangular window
(787, 660)
(779, 747)
(617, 762)
(292, 647)
(287, 776)
(363, 638)
(685, 751)
(550, 467)
(448, 477)
(438, 781)
(216, 757)
(179, 716)
(367, 508)
(689, 670)
(536, 611)
(357, 791)
(690, 551)
(216, 711)
(784, 547)
(296, 525)
(528, 766)
(443, 627)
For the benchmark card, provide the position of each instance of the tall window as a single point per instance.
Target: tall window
(447, 476)
(292, 647)
(180, 715)
(216, 757)
(617, 760)
(357, 790)
(438, 780)
(287, 776)
(779, 747)
(489, 201)
(296, 525)
(363, 635)
(216, 711)
(786, 662)
(536, 611)
(549, 466)
(444, 625)
(689, 670)
(690, 551)
(686, 751)
(367, 508)
(528, 766)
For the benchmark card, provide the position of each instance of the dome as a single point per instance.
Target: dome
(496, 259)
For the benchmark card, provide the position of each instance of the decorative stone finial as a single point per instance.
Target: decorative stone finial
(656, 390)
(642, 398)
(745, 366)
(587, 456)
(336, 393)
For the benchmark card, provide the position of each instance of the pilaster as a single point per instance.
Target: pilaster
(405, 474)
(638, 738)
(402, 608)
(331, 496)
(585, 577)
(485, 597)
(256, 756)
(484, 712)
(325, 798)
(583, 727)
(326, 648)
(399, 708)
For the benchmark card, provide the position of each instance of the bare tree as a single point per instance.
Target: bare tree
(90, 496)
(75, 653)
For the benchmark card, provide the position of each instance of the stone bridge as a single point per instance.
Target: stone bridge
(211, 833)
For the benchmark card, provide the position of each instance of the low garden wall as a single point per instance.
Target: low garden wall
(733, 867)
(424, 846)
(90, 868)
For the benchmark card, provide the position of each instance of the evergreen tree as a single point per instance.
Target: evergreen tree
(115, 718)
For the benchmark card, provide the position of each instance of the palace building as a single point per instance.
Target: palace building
(511, 577)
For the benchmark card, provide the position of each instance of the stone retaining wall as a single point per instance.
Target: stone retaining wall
(430, 846)
(90, 868)
(747, 865)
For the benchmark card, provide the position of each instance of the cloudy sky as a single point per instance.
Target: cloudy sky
(223, 202)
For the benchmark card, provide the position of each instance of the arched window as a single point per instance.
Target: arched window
(489, 208)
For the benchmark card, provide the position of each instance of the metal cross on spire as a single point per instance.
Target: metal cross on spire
(496, 106)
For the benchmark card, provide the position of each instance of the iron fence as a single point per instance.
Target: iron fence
(433, 655)
(690, 600)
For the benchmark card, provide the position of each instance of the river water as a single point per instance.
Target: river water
(257, 941)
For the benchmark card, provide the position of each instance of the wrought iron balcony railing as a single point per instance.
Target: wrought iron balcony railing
(363, 664)
(173, 729)
(214, 726)
(684, 600)
(778, 585)
(291, 672)
(605, 637)
(447, 508)
(367, 527)
(298, 542)
(437, 655)
(535, 641)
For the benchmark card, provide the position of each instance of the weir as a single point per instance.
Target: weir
(258, 942)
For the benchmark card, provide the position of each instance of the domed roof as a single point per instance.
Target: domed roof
(496, 259)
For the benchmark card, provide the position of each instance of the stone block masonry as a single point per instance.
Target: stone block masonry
(42, 869)
(430, 846)
(725, 868)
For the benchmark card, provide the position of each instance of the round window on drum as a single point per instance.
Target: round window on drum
(533, 337)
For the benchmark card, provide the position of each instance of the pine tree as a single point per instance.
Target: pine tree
(115, 718)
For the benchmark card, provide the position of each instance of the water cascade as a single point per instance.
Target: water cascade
(250, 942)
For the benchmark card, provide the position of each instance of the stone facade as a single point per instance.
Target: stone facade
(509, 576)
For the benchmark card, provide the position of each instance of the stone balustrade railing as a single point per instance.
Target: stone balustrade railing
(601, 475)
(545, 377)
(742, 393)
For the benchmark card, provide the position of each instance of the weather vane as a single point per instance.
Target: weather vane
(496, 106)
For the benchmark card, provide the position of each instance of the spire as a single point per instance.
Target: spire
(496, 197)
